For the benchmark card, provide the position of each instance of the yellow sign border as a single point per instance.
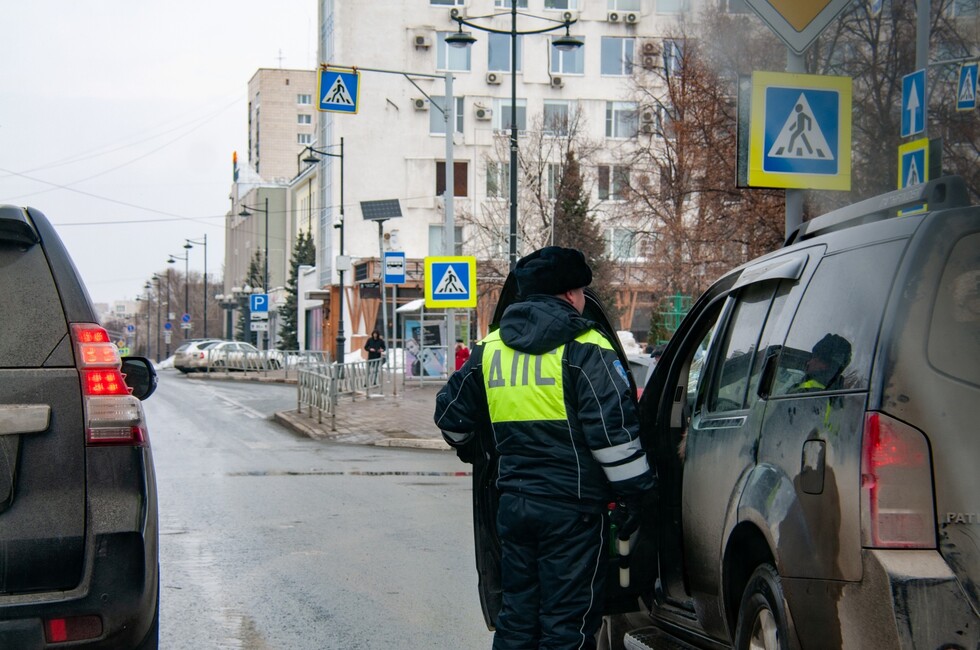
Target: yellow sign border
(430, 302)
(757, 176)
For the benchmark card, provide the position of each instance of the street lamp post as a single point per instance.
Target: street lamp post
(265, 256)
(156, 278)
(228, 303)
(190, 244)
(173, 259)
(564, 43)
(312, 160)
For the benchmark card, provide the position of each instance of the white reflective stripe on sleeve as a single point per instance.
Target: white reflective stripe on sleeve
(625, 472)
(617, 452)
(455, 437)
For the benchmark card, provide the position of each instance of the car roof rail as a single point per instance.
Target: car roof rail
(16, 227)
(942, 193)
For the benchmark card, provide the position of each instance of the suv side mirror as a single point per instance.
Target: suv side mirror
(140, 376)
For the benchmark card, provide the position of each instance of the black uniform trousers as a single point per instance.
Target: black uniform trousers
(553, 570)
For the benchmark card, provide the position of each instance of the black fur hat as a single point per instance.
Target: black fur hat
(552, 270)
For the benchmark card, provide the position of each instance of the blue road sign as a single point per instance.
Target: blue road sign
(258, 302)
(130, 328)
(186, 318)
(168, 326)
(913, 103)
(802, 130)
(394, 268)
(450, 282)
(966, 89)
(338, 90)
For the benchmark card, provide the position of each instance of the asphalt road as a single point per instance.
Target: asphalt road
(272, 540)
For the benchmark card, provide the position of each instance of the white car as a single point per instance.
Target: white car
(190, 355)
(235, 355)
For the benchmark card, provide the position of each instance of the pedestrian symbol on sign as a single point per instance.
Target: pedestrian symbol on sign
(338, 94)
(450, 284)
(801, 136)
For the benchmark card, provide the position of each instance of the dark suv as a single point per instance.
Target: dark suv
(78, 507)
(814, 425)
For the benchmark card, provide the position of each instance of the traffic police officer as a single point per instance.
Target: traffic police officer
(554, 393)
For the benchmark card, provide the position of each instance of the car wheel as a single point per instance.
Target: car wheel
(763, 621)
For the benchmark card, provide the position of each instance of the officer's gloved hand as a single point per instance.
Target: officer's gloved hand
(626, 516)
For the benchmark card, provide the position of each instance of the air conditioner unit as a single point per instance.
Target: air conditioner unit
(421, 42)
(458, 12)
(650, 62)
(651, 48)
(632, 18)
(493, 78)
(483, 113)
(557, 82)
(613, 16)
(420, 104)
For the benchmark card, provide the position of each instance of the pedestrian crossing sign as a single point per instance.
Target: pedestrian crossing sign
(338, 89)
(450, 282)
(913, 169)
(800, 131)
(966, 89)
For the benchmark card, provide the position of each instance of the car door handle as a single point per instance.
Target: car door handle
(24, 418)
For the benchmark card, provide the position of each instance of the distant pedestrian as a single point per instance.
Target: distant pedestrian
(462, 353)
(375, 347)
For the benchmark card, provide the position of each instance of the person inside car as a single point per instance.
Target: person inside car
(827, 361)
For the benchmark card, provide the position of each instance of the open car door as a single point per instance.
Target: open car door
(642, 560)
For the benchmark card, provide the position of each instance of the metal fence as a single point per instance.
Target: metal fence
(285, 362)
(319, 386)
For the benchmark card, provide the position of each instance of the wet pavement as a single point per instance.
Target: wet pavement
(397, 418)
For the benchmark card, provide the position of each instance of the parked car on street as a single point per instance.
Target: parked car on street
(190, 355)
(813, 422)
(78, 502)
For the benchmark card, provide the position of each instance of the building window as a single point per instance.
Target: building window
(304, 119)
(555, 171)
(623, 5)
(673, 6)
(447, 3)
(673, 56)
(613, 182)
(617, 56)
(304, 100)
(498, 57)
(571, 62)
(451, 58)
(557, 116)
(437, 121)
(437, 236)
(501, 114)
(460, 179)
(521, 4)
(620, 119)
(561, 4)
(498, 179)
(964, 8)
(304, 138)
(621, 243)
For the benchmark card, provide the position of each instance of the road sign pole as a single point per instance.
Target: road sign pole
(795, 63)
(923, 7)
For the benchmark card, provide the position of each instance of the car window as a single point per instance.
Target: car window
(741, 342)
(831, 341)
(954, 334)
(33, 321)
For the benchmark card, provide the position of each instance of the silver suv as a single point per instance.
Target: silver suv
(78, 507)
(814, 426)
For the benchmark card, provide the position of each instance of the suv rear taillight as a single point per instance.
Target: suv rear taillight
(112, 415)
(896, 485)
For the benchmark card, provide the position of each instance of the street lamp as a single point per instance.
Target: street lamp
(190, 244)
(228, 303)
(565, 43)
(173, 259)
(265, 254)
(312, 159)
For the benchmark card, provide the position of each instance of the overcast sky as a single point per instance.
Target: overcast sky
(118, 119)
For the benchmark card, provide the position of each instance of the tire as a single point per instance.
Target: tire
(763, 618)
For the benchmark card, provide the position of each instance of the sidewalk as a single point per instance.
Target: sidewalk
(402, 420)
